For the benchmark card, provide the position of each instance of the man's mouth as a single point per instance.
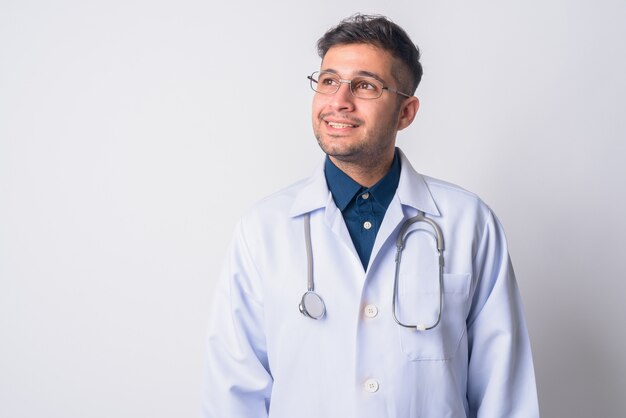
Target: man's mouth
(338, 125)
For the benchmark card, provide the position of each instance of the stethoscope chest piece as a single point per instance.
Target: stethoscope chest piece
(312, 305)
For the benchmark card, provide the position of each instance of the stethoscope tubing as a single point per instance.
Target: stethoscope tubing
(402, 235)
(309, 252)
(312, 304)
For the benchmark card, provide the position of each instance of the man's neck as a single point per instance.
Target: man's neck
(366, 175)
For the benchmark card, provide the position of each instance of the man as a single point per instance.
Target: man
(435, 331)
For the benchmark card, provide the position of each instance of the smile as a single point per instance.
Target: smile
(338, 125)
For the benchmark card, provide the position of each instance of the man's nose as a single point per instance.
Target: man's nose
(343, 98)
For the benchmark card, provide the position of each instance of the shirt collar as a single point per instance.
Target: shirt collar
(412, 191)
(385, 189)
(343, 188)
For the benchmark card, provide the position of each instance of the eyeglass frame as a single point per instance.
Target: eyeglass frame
(349, 82)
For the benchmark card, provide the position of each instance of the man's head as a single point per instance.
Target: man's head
(380, 32)
(362, 97)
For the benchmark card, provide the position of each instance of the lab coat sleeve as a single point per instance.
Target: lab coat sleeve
(237, 378)
(501, 379)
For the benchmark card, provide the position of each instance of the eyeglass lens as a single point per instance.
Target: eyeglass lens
(361, 87)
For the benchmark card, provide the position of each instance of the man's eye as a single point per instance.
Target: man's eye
(364, 85)
(328, 81)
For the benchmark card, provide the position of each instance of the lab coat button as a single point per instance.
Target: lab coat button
(367, 225)
(371, 311)
(371, 385)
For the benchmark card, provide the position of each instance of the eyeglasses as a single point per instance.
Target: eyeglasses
(363, 87)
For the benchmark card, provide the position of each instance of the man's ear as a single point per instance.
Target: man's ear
(408, 111)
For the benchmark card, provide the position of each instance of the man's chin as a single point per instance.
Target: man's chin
(338, 152)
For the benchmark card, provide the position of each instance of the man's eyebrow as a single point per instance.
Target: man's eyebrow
(330, 70)
(373, 75)
(361, 73)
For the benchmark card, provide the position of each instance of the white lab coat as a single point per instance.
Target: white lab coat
(266, 359)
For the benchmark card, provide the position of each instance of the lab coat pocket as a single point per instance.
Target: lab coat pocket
(421, 306)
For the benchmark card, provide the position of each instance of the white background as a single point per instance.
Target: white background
(134, 133)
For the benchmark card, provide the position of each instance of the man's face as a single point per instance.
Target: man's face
(354, 130)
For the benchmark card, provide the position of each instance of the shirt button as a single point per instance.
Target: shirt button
(365, 196)
(371, 385)
(367, 225)
(371, 311)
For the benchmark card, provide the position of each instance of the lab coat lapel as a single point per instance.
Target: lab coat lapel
(314, 194)
(334, 219)
(411, 196)
(393, 218)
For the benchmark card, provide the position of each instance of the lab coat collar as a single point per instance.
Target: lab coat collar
(313, 194)
(412, 191)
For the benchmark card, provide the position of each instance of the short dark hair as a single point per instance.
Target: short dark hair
(381, 32)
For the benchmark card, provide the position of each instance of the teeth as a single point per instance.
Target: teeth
(340, 125)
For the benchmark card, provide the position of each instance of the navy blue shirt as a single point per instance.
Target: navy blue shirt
(363, 208)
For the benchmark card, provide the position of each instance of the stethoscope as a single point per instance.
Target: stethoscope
(312, 304)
